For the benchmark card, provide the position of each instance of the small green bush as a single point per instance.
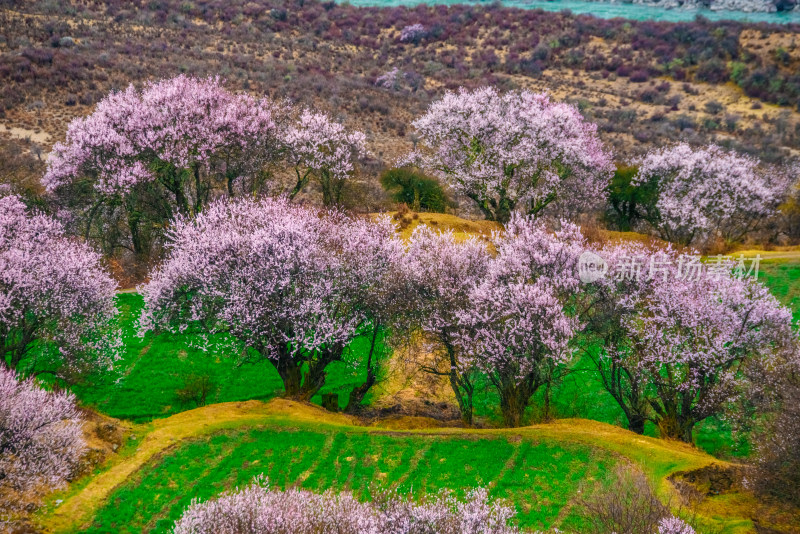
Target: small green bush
(411, 187)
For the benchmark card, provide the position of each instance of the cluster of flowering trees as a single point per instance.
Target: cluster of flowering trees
(259, 509)
(520, 151)
(56, 301)
(289, 284)
(296, 287)
(146, 155)
(513, 151)
(41, 440)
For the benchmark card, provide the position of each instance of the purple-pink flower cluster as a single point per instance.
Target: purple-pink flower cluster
(54, 296)
(413, 33)
(682, 339)
(183, 122)
(294, 284)
(41, 440)
(673, 525)
(259, 509)
(517, 150)
(708, 192)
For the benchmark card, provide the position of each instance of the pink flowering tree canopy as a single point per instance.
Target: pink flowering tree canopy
(57, 311)
(445, 271)
(708, 192)
(326, 151)
(513, 151)
(41, 440)
(170, 131)
(673, 525)
(517, 328)
(260, 509)
(284, 282)
(675, 341)
(413, 33)
(163, 149)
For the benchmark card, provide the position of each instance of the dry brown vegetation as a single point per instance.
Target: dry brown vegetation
(58, 61)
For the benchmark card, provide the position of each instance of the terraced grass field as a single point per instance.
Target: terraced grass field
(196, 454)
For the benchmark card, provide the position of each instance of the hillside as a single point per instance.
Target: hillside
(643, 83)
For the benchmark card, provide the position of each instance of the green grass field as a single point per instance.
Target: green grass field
(145, 381)
(782, 277)
(541, 478)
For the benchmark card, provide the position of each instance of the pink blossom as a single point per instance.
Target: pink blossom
(516, 328)
(259, 509)
(290, 284)
(163, 132)
(678, 339)
(673, 525)
(444, 272)
(322, 149)
(412, 33)
(515, 151)
(705, 192)
(55, 297)
(41, 439)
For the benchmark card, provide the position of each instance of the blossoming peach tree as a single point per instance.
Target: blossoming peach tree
(673, 341)
(707, 192)
(162, 149)
(326, 151)
(444, 271)
(285, 283)
(57, 312)
(41, 440)
(518, 326)
(514, 151)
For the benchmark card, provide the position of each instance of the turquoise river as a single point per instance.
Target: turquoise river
(610, 10)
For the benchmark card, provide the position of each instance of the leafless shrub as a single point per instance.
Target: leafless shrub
(623, 502)
(196, 389)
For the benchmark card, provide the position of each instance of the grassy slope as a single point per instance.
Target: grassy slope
(201, 452)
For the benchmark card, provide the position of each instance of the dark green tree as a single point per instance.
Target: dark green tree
(411, 187)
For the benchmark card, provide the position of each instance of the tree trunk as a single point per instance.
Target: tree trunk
(134, 220)
(313, 380)
(504, 209)
(301, 183)
(676, 427)
(514, 399)
(291, 374)
(636, 423)
(483, 205)
(357, 394)
(512, 409)
(463, 390)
